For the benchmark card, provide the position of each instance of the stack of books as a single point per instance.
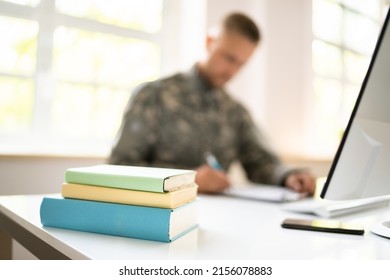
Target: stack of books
(132, 201)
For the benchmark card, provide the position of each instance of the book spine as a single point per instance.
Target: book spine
(115, 181)
(117, 195)
(106, 218)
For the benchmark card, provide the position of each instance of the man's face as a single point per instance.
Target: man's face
(227, 53)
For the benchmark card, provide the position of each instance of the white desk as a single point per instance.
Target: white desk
(229, 229)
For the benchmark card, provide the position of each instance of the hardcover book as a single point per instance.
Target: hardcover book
(150, 179)
(170, 200)
(150, 223)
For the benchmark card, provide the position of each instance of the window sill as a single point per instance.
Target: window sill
(55, 151)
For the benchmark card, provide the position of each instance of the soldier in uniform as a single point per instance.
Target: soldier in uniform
(174, 121)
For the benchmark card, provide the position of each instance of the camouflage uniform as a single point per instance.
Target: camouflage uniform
(173, 122)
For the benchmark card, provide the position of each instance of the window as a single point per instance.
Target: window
(17, 67)
(344, 37)
(68, 66)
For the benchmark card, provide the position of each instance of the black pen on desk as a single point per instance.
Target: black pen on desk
(212, 161)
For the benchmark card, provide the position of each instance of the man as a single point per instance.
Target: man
(175, 121)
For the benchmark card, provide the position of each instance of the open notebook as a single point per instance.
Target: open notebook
(327, 209)
(263, 193)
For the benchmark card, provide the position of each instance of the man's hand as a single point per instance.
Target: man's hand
(210, 180)
(301, 181)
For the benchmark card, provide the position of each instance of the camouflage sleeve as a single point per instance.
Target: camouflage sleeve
(138, 132)
(259, 162)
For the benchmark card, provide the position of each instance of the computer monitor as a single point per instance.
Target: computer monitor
(361, 167)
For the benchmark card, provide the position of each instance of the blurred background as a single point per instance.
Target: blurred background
(67, 69)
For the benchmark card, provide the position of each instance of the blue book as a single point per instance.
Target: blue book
(151, 223)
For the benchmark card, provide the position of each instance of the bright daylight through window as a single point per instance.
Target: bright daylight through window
(46, 95)
(344, 37)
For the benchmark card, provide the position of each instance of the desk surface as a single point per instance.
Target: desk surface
(230, 228)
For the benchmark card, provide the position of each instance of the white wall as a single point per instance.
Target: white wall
(37, 174)
(184, 33)
(289, 78)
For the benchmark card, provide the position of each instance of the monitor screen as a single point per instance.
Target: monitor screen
(361, 167)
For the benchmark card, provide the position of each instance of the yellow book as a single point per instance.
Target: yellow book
(124, 196)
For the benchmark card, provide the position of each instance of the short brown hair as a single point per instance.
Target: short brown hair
(242, 24)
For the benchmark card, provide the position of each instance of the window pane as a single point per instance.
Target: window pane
(361, 33)
(329, 100)
(18, 47)
(367, 7)
(327, 60)
(345, 33)
(329, 97)
(71, 110)
(106, 59)
(16, 104)
(356, 66)
(145, 15)
(327, 21)
(82, 111)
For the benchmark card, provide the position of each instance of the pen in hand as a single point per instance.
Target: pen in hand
(212, 161)
(211, 178)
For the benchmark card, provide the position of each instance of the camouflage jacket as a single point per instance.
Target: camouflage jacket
(173, 122)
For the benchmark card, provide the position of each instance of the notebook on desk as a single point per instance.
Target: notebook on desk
(263, 193)
(328, 209)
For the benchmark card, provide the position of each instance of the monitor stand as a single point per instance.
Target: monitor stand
(382, 229)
